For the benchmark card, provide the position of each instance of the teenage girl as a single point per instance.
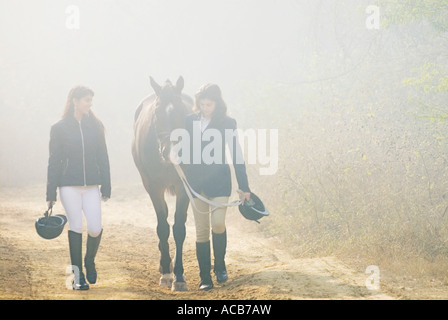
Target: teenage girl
(213, 181)
(79, 166)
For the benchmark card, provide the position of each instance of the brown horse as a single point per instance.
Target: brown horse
(156, 117)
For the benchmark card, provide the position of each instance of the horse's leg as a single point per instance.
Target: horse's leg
(179, 232)
(163, 232)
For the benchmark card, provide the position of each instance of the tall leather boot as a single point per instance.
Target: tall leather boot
(89, 260)
(205, 265)
(75, 245)
(219, 251)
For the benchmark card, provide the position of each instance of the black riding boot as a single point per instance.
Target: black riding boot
(219, 251)
(89, 260)
(205, 265)
(75, 245)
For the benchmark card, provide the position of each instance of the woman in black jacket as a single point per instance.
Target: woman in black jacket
(78, 165)
(212, 178)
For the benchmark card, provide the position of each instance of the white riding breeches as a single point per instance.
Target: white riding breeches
(77, 200)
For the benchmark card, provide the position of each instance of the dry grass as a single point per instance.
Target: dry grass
(365, 180)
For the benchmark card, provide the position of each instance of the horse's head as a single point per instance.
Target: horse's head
(169, 113)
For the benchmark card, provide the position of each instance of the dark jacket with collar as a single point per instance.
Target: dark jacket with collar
(214, 180)
(78, 156)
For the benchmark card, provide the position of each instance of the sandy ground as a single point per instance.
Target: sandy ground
(127, 262)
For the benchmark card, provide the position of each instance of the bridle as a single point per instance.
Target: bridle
(163, 136)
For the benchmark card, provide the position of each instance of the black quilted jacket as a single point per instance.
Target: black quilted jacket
(214, 180)
(78, 156)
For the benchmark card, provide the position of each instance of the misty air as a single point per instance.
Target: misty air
(224, 150)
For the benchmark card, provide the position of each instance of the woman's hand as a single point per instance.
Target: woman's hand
(50, 204)
(244, 196)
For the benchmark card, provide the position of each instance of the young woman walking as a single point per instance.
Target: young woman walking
(79, 165)
(212, 179)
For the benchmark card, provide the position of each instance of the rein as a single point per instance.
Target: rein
(190, 192)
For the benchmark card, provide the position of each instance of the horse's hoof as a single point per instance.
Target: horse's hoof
(166, 280)
(179, 286)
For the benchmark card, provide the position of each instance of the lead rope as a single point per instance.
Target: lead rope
(190, 192)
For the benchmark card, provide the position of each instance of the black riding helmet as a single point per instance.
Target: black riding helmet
(253, 209)
(50, 227)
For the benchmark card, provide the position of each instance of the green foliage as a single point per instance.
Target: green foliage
(399, 12)
(430, 78)
(430, 90)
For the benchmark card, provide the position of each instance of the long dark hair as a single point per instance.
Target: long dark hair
(79, 92)
(213, 92)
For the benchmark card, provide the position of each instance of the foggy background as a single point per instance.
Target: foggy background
(240, 45)
(361, 113)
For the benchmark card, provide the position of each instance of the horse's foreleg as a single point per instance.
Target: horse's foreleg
(163, 232)
(179, 232)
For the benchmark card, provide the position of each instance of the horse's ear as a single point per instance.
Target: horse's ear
(156, 87)
(180, 84)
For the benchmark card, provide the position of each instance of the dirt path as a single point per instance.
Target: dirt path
(34, 268)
